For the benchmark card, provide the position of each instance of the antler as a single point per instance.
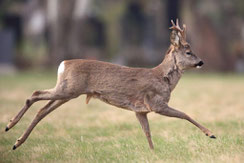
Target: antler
(177, 28)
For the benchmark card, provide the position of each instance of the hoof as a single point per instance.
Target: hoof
(14, 147)
(6, 129)
(213, 137)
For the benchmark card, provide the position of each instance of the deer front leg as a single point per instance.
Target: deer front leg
(142, 117)
(168, 111)
(49, 107)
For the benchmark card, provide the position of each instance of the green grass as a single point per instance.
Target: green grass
(98, 132)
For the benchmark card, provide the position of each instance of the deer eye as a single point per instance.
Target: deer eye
(188, 53)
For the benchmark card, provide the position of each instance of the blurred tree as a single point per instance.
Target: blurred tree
(142, 33)
(60, 13)
(133, 25)
(173, 10)
(11, 33)
(73, 31)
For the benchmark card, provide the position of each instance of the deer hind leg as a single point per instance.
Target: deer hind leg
(142, 117)
(167, 111)
(36, 96)
(56, 93)
(48, 108)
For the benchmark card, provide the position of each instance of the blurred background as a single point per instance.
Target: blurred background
(36, 35)
(41, 33)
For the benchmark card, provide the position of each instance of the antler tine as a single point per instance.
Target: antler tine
(173, 26)
(177, 27)
(177, 23)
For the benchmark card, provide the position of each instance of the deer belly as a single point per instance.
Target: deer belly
(121, 101)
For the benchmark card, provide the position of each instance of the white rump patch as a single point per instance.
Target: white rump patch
(199, 66)
(61, 68)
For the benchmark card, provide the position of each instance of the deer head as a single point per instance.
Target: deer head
(181, 50)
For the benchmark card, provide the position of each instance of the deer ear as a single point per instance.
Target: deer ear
(175, 38)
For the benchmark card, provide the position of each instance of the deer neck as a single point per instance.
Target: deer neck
(168, 70)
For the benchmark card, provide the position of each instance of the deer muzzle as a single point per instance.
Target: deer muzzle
(199, 64)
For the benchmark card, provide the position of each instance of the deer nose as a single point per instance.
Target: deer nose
(200, 63)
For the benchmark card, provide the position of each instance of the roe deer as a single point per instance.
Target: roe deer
(142, 90)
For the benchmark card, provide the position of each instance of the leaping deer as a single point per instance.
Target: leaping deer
(142, 90)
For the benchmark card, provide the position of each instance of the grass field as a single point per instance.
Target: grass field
(98, 132)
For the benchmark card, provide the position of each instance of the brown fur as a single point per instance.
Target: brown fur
(141, 90)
